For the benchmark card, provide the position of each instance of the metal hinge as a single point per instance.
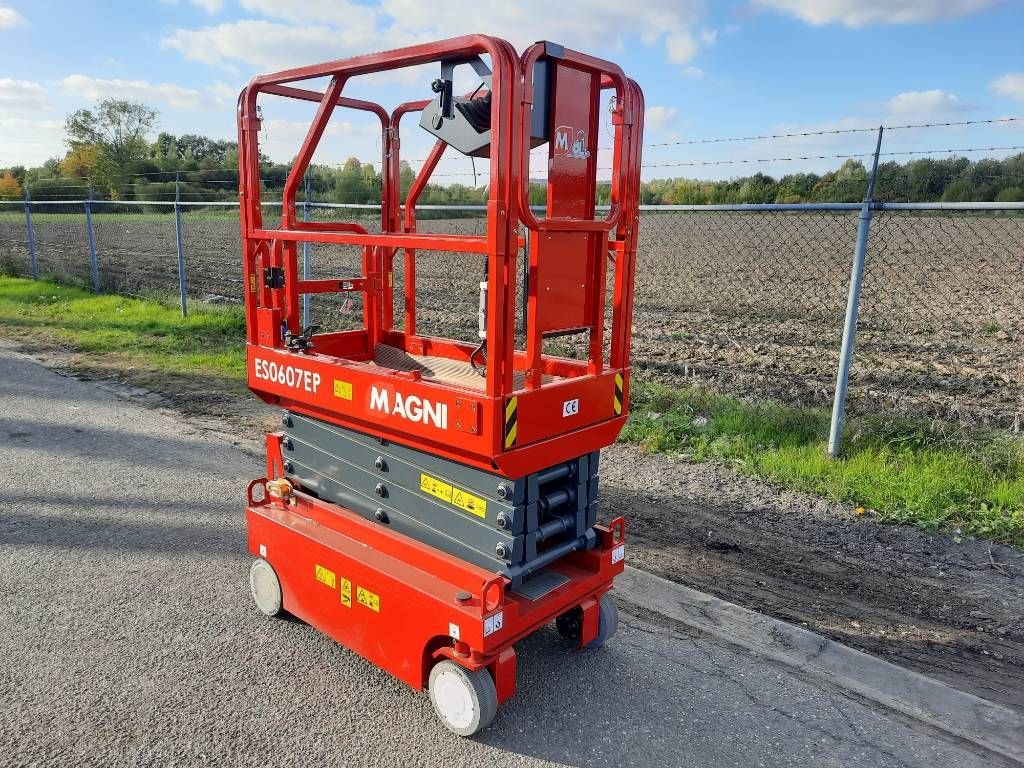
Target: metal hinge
(273, 277)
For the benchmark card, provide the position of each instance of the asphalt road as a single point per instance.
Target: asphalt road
(128, 637)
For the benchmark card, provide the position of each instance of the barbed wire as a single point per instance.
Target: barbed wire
(674, 164)
(839, 156)
(829, 157)
(829, 132)
(680, 142)
(795, 134)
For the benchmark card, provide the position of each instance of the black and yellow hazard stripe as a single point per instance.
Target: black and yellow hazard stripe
(511, 419)
(617, 400)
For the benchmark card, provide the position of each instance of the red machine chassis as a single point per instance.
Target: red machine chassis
(399, 603)
(403, 605)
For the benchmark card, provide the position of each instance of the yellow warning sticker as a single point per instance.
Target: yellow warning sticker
(511, 422)
(457, 497)
(370, 599)
(346, 593)
(467, 501)
(326, 576)
(252, 282)
(436, 487)
(343, 389)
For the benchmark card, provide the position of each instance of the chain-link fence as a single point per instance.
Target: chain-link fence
(753, 302)
(748, 300)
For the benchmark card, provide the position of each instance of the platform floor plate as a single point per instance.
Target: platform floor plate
(455, 373)
(540, 584)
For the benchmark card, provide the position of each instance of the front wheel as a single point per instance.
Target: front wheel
(265, 587)
(570, 623)
(465, 701)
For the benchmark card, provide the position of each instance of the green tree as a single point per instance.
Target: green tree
(759, 188)
(165, 152)
(1011, 195)
(893, 185)
(357, 183)
(796, 188)
(927, 179)
(118, 131)
(959, 191)
(406, 177)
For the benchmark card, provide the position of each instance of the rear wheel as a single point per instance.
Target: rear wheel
(570, 623)
(465, 701)
(266, 588)
(608, 623)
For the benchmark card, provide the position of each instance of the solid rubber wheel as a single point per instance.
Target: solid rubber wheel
(570, 623)
(266, 589)
(465, 701)
(608, 622)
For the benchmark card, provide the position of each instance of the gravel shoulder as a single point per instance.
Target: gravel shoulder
(953, 611)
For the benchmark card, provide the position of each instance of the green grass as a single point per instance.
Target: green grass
(900, 470)
(125, 331)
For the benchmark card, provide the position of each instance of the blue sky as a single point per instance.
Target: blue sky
(709, 69)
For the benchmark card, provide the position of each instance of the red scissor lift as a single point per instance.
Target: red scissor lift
(403, 456)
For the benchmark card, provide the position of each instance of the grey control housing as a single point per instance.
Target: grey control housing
(523, 524)
(457, 130)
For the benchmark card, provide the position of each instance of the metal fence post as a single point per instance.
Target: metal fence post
(33, 261)
(180, 244)
(93, 262)
(306, 265)
(835, 434)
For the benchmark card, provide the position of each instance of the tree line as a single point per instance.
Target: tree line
(111, 157)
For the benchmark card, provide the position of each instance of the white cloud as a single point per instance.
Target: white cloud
(660, 118)
(210, 6)
(94, 88)
(223, 93)
(29, 142)
(858, 13)
(297, 129)
(311, 30)
(592, 25)
(695, 72)
(931, 102)
(281, 139)
(339, 12)
(708, 36)
(680, 47)
(1010, 85)
(10, 18)
(21, 94)
(263, 45)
